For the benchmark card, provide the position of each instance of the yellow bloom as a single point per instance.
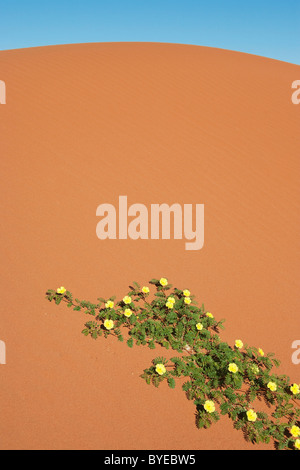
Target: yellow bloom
(163, 281)
(186, 293)
(109, 304)
(169, 304)
(295, 389)
(61, 290)
(233, 368)
(199, 326)
(127, 312)
(295, 431)
(127, 299)
(171, 299)
(109, 324)
(272, 386)
(251, 415)
(260, 351)
(255, 369)
(160, 369)
(209, 406)
(210, 315)
(145, 289)
(239, 344)
(297, 444)
(187, 300)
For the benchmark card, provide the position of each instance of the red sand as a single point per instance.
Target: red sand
(84, 124)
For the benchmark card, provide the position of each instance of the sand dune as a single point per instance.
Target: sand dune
(160, 123)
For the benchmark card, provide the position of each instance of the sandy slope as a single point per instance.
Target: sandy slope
(84, 124)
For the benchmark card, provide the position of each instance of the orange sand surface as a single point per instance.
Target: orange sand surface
(160, 123)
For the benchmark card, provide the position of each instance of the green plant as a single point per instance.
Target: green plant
(221, 379)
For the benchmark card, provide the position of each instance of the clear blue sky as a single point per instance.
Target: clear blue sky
(263, 27)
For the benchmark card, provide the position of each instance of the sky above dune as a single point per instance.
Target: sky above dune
(266, 28)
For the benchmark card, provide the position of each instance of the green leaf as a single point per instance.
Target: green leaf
(58, 300)
(171, 382)
(224, 408)
(130, 342)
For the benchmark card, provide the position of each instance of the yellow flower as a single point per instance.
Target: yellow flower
(260, 351)
(61, 290)
(239, 344)
(109, 324)
(255, 369)
(210, 315)
(187, 300)
(297, 444)
(109, 304)
(251, 415)
(145, 289)
(233, 368)
(127, 312)
(272, 386)
(209, 406)
(163, 281)
(127, 299)
(186, 293)
(169, 304)
(295, 431)
(160, 369)
(295, 389)
(199, 326)
(171, 299)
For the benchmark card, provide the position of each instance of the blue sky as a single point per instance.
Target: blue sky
(267, 28)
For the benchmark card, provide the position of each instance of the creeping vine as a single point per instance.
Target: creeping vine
(222, 379)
